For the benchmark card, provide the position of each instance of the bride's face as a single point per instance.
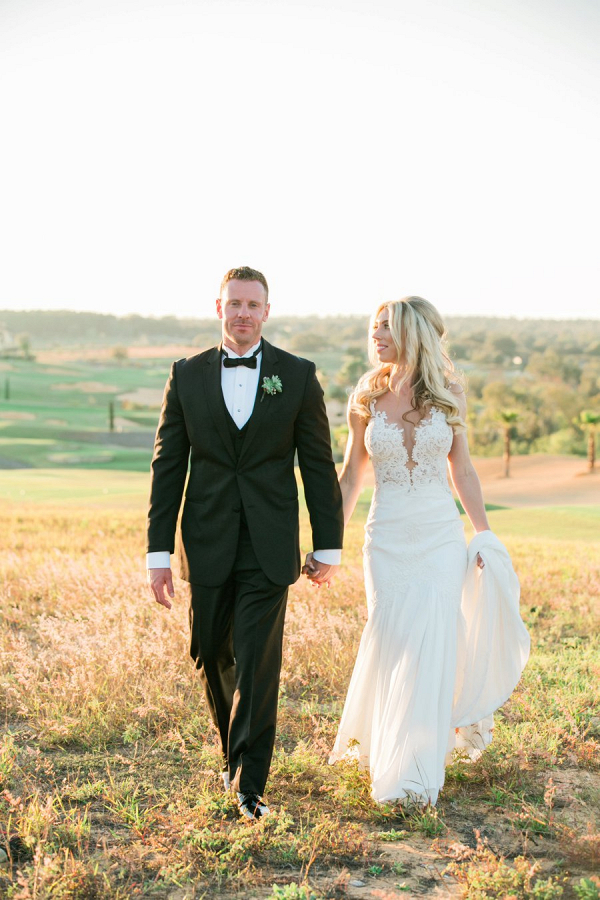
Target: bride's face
(384, 345)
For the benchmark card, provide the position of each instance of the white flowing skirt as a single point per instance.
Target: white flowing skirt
(398, 711)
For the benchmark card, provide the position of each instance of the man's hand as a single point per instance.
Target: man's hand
(158, 580)
(317, 572)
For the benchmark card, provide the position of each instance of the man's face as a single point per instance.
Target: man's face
(242, 308)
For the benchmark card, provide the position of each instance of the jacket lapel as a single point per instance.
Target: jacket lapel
(214, 398)
(269, 366)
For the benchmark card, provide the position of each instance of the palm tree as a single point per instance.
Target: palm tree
(590, 419)
(508, 417)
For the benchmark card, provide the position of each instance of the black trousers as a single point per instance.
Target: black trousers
(236, 638)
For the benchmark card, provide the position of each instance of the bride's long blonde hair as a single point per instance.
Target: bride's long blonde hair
(418, 333)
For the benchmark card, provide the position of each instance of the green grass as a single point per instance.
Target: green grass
(32, 382)
(55, 411)
(75, 487)
(575, 523)
(59, 416)
(41, 453)
(114, 484)
(56, 418)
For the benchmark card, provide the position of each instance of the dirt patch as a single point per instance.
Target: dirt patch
(539, 480)
(535, 480)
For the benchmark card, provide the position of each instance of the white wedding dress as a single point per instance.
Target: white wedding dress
(398, 716)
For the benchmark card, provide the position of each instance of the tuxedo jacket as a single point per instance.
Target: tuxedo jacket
(194, 433)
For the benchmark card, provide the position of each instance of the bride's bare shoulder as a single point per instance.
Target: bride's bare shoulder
(459, 393)
(357, 421)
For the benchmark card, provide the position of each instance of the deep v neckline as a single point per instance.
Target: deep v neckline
(411, 462)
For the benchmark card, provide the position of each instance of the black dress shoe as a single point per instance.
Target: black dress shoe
(251, 806)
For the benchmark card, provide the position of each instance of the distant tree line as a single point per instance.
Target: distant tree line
(476, 338)
(64, 328)
(533, 385)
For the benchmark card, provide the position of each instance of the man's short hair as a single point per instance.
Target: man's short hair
(245, 273)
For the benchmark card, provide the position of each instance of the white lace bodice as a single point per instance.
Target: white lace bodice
(392, 462)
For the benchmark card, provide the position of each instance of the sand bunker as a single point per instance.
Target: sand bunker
(76, 459)
(87, 387)
(151, 397)
(15, 414)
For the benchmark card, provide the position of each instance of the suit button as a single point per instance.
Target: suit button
(236, 509)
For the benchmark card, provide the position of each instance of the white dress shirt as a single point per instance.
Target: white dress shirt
(239, 385)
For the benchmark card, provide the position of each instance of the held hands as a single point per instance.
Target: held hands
(158, 580)
(317, 572)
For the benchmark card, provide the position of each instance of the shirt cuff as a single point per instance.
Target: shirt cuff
(159, 559)
(328, 557)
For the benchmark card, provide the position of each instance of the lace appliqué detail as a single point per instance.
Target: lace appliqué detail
(386, 446)
(389, 590)
(412, 575)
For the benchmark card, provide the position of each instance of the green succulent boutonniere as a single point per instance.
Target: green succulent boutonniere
(271, 386)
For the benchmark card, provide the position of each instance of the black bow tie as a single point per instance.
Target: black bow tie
(230, 362)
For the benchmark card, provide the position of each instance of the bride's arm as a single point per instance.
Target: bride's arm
(355, 464)
(464, 476)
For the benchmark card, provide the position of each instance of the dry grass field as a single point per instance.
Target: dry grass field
(161, 351)
(108, 764)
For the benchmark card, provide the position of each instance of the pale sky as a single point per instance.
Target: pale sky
(354, 152)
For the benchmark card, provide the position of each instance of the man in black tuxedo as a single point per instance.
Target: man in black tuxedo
(237, 415)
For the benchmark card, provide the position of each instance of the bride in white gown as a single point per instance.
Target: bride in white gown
(408, 415)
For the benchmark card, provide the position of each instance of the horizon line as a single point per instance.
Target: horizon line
(318, 316)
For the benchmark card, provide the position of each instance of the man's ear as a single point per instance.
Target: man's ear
(219, 308)
(266, 312)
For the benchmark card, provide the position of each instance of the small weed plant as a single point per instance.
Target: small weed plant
(485, 874)
(292, 892)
